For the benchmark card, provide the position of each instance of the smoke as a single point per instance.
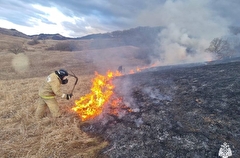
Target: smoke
(154, 93)
(190, 25)
(176, 46)
(136, 94)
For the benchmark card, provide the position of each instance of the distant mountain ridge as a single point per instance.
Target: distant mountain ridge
(138, 31)
(143, 38)
(16, 33)
(13, 32)
(121, 34)
(50, 36)
(144, 31)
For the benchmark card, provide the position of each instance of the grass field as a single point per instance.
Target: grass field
(20, 77)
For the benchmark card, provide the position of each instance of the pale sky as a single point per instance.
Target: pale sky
(77, 18)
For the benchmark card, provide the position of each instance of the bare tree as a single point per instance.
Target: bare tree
(220, 47)
(16, 48)
(34, 41)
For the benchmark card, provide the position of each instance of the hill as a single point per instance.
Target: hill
(176, 111)
(16, 33)
(143, 38)
(20, 78)
(13, 32)
(139, 31)
(173, 111)
(135, 36)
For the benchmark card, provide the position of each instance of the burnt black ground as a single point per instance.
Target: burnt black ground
(184, 112)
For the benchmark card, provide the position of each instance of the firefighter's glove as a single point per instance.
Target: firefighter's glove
(69, 96)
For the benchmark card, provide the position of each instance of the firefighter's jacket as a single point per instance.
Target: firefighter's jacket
(51, 87)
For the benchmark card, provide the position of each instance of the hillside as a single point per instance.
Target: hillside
(173, 111)
(20, 77)
(187, 111)
(16, 33)
(140, 32)
(13, 32)
(141, 39)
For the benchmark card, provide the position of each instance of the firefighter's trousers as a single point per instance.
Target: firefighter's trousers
(43, 104)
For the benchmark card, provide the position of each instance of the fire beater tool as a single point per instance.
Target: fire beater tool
(76, 81)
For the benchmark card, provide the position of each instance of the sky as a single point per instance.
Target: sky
(77, 18)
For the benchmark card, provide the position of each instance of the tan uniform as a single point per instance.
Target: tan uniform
(47, 92)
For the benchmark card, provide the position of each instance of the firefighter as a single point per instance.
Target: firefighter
(47, 92)
(120, 68)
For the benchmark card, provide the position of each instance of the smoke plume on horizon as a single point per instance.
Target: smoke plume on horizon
(190, 26)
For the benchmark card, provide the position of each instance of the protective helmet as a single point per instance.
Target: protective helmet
(61, 74)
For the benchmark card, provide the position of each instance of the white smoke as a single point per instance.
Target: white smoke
(189, 24)
(156, 94)
(174, 44)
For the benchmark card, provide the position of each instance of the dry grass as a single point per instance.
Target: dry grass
(20, 77)
(23, 136)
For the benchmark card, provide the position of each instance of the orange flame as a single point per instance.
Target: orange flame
(91, 105)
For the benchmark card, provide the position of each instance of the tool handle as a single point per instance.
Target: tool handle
(76, 81)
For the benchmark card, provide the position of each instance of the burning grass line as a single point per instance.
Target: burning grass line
(102, 90)
(92, 104)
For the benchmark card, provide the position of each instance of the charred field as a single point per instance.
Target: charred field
(175, 111)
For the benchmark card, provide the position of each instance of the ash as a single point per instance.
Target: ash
(175, 112)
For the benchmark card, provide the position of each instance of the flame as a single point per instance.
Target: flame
(92, 104)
